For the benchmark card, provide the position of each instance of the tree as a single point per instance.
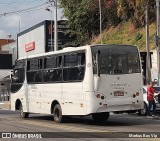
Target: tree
(83, 17)
(135, 10)
(79, 18)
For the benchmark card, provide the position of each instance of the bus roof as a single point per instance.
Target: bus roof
(69, 49)
(64, 50)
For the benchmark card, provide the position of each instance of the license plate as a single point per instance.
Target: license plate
(118, 93)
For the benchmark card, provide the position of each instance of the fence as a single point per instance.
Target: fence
(4, 94)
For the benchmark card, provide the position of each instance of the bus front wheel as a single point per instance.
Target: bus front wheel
(100, 117)
(57, 113)
(23, 114)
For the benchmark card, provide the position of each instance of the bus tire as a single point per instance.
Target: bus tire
(57, 113)
(100, 117)
(22, 114)
(143, 111)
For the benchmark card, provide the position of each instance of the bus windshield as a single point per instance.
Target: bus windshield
(116, 59)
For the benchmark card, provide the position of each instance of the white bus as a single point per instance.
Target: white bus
(89, 80)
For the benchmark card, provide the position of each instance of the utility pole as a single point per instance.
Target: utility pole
(100, 18)
(51, 31)
(158, 38)
(47, 9)
(55, 25)
(148, 64)
(19, 26)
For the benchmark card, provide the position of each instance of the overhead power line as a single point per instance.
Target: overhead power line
(16, 2)
(34, 8)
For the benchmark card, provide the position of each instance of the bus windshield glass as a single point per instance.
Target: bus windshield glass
(116, 59)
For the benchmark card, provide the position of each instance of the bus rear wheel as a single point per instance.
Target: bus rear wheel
(23, 114)
(143, 111)
(57, 113)
(100, 117)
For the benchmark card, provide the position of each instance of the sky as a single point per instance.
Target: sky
(14, 17)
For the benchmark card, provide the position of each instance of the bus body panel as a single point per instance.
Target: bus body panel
(35, 92)
(73, 98)
(109, 85)
(20, 95)
(118, 91)
(51, 93)
(41, 97)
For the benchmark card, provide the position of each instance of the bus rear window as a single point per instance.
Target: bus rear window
(117, 59)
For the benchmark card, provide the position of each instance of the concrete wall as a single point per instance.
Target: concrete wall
(5, 41)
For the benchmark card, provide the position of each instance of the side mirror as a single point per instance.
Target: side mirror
(14, 78)
(98, 63)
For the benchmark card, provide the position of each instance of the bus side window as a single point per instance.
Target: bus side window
(38, 72)
(18, 75)
(81, 66)
(81, 73)
(81, 58)
(94, 64)
(28, 65)
(46, 72)
(70, 61)
(53, 70)
(29, 72)
(74, 65)
(34, 70)
(59, 61)
(39, 63)
(56, 75)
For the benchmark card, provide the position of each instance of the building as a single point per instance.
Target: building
(5, 41)
(40, 38)
(10, 48)
(5, 69)
(36, 39)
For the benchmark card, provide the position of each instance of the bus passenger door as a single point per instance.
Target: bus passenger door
(73, 74)
(35, 88)
(52, 82)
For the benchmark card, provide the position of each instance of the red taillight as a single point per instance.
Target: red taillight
(102, 97)
(137, 93)
(134, 95)
(98, 95)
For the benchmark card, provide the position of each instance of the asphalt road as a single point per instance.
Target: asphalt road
(119, 127)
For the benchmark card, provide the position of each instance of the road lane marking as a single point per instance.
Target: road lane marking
(60, 126)
(63, 127)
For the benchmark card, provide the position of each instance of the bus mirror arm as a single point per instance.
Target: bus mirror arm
(97, 62)
(14, 78)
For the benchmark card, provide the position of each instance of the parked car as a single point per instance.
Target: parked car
(157, 100)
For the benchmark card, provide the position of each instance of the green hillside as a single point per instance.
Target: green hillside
(126, 33)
